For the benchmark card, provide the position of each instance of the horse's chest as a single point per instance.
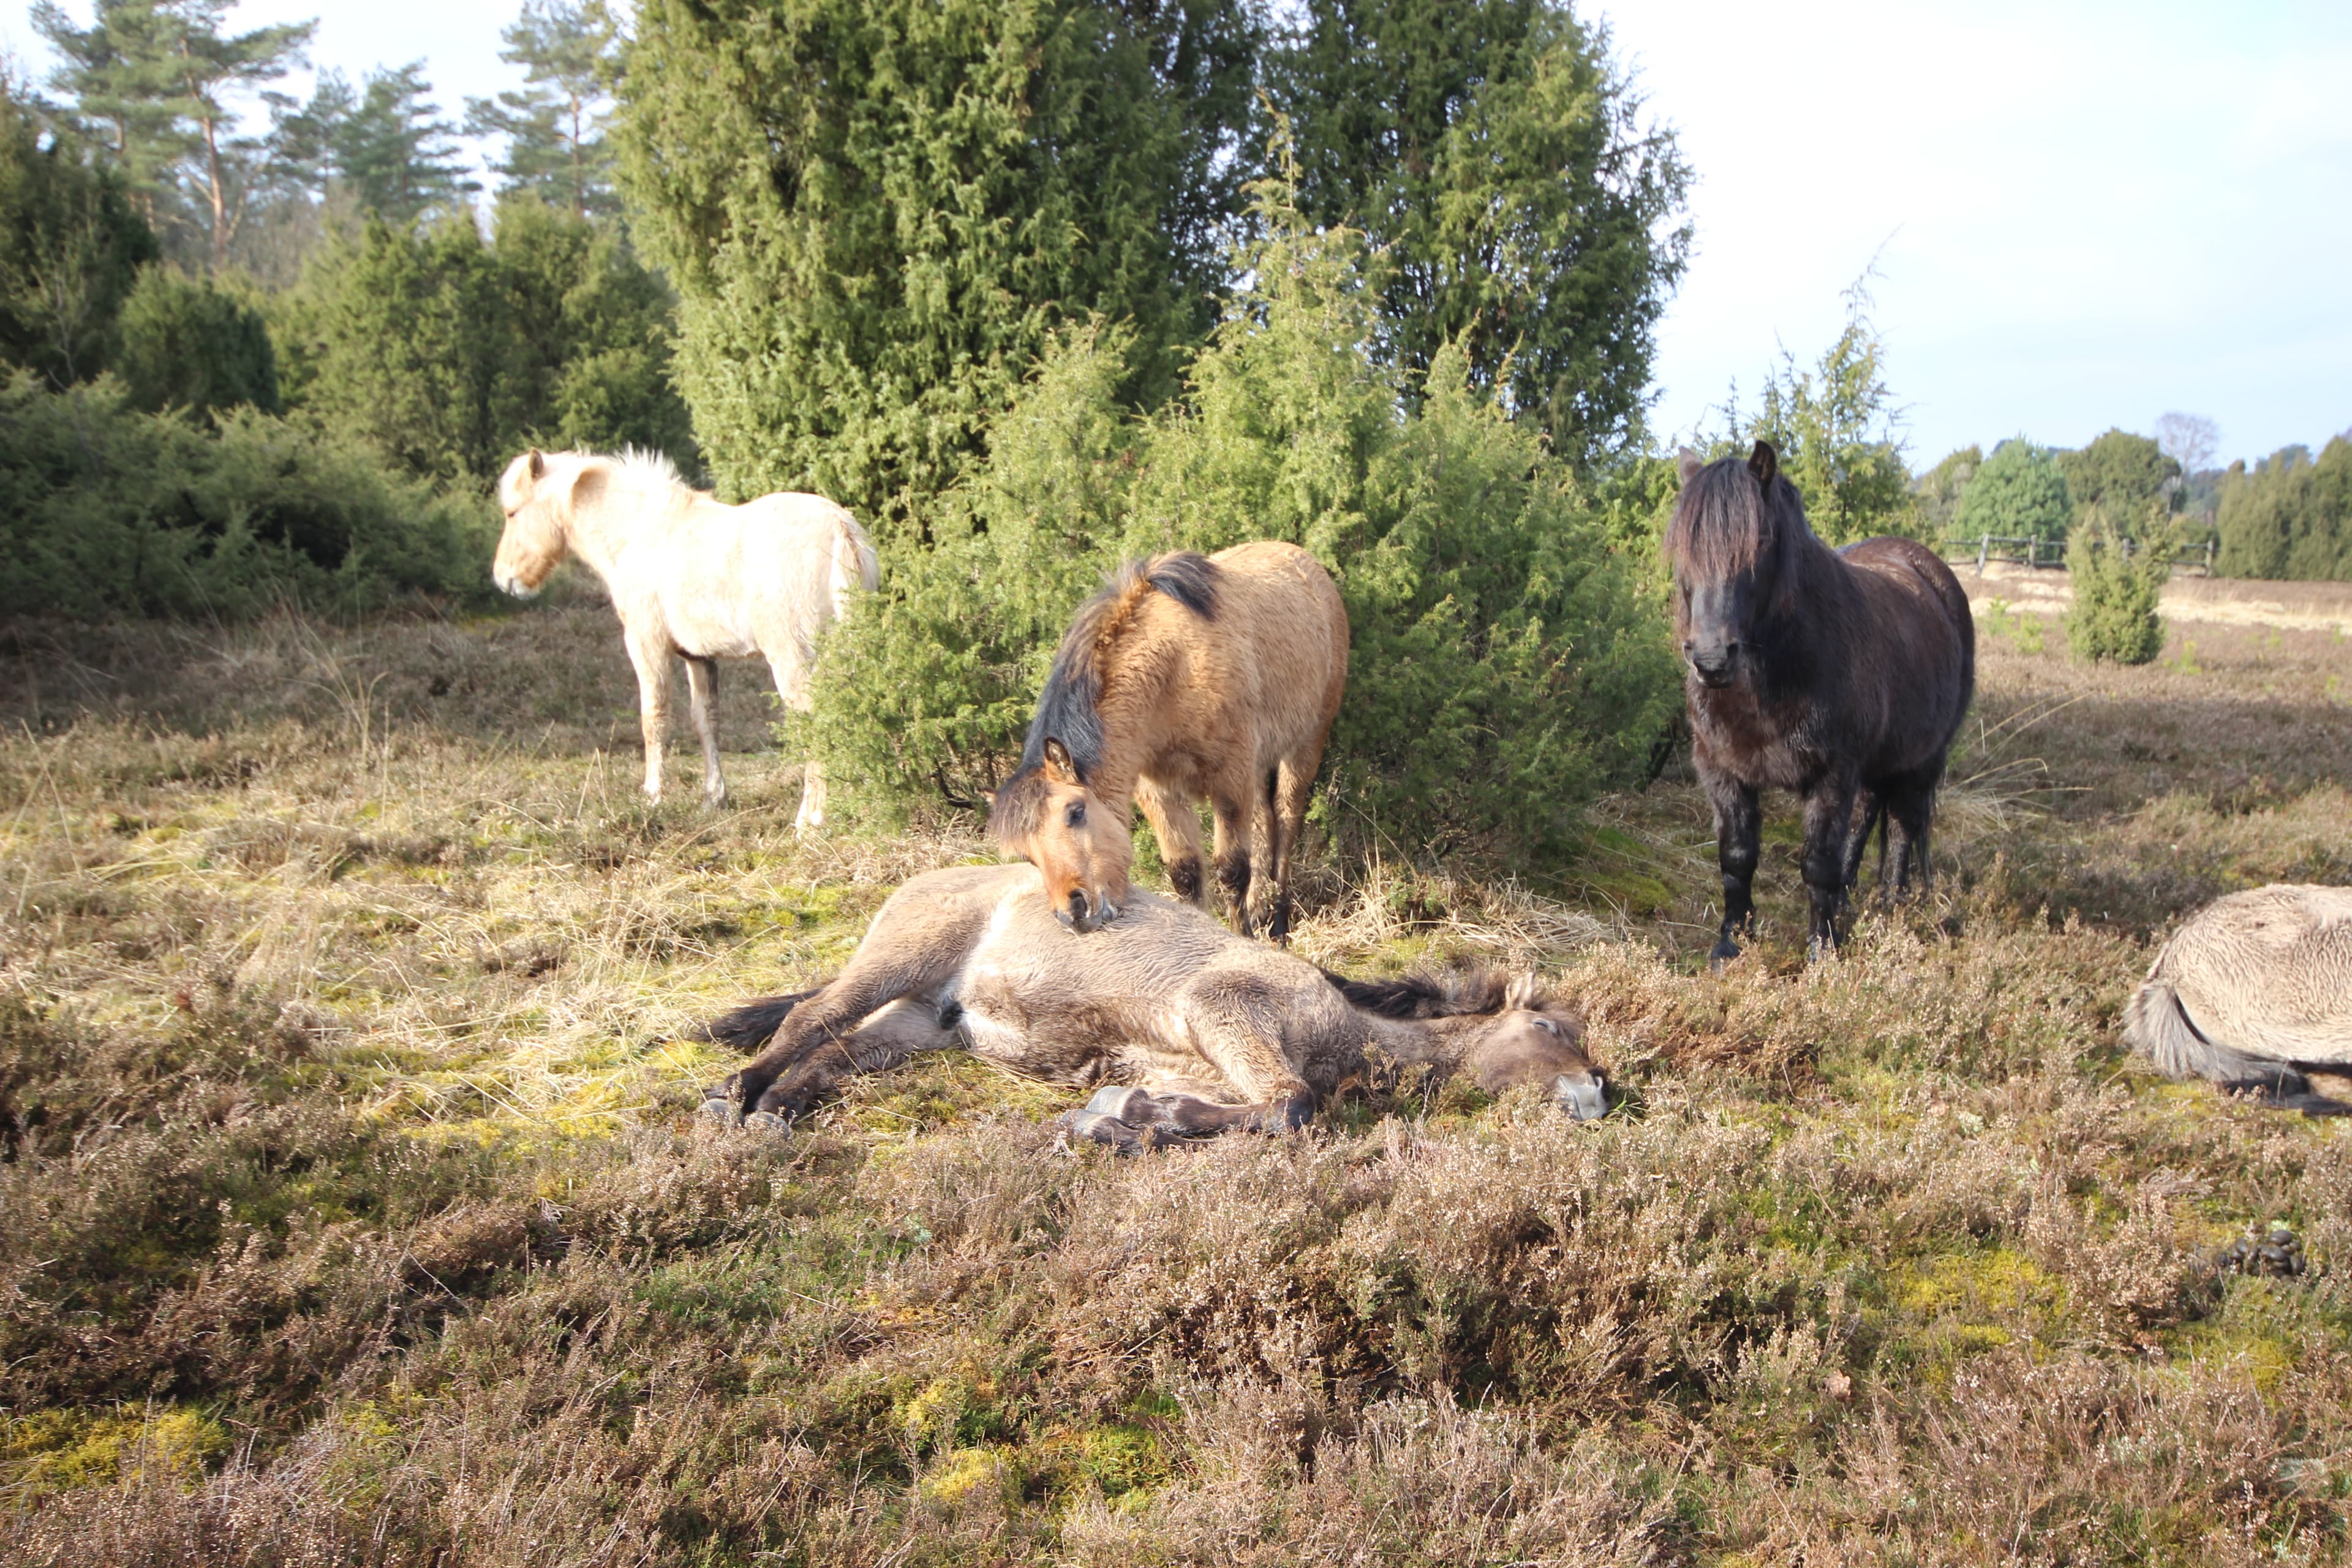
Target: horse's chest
(1762, 747)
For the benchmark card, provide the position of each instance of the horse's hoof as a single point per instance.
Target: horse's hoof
(766, 1121)
(1122, 1137)
(721, 1109)
(1726, 949)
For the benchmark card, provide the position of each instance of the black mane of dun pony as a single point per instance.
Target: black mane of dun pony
(1830, 673)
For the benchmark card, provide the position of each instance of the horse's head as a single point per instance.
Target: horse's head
(1046, 816)
(537, 502)
(1533, 1041)
(1724, 545)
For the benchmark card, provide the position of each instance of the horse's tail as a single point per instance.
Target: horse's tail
(750, 1026)
(855, 567)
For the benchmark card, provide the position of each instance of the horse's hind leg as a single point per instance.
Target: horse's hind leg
(1874, 810)
(791, 672)
(1176, 823)
(702, 699)
(1910, 811)
(1294, 787)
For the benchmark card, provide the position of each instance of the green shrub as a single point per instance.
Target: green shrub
(2020, 492)
(2290, 517)
(71, 246)
(189, 343)
(2113, 616)
(1508, 660)
(448, 352)
(106, 508)
(877, 212)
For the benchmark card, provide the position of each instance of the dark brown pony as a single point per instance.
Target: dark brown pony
(1829, 672)
(1186, 678)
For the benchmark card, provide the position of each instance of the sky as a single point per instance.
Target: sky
(2080, 215)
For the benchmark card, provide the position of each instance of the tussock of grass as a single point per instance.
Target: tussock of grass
(358, 1210)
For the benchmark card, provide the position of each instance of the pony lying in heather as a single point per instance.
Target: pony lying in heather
(691, 577)
(1187, 1028)
(1834, 673)
(2253, 991)
(1187, 678)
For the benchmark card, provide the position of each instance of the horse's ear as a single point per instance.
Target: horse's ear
(1764, 463)
(1520, 993)
(589, 487)
(1059, 767)
(538, 463)
(1687, 461)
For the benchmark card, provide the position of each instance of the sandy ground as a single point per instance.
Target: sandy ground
(2228, 601)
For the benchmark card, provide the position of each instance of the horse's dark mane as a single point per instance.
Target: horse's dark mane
(1067, 708)
(1465, 994)
(1725, 520)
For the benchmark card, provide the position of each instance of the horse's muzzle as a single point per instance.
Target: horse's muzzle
(1584, 1095)
(1084, 913)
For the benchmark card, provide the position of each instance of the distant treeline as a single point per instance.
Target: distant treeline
(2288, 516)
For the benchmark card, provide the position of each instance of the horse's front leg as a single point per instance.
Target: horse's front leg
(1739, 833)
(702, 701)
(1176, 823)
(1233, 810)
(1829, 816)
(650, 652)
(883, 1041)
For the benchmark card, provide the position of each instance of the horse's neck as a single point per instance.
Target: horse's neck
(598, 533)
(1809, 598)
(1435, 1042)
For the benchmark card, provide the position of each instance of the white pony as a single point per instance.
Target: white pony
(692, 576)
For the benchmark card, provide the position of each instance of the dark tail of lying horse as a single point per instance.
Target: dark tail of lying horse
(749, 1027)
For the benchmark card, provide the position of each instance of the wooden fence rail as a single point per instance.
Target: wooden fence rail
(2051, 553)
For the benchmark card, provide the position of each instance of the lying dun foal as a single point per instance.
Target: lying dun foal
(1188, 1027)
(691, 577)
(2254, 990)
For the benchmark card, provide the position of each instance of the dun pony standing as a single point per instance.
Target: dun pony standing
(691, 577)
(2252, 991)
(1828, 672)
(1187, 678)
(1189, 1028)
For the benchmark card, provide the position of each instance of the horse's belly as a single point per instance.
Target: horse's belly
(1027, 1045)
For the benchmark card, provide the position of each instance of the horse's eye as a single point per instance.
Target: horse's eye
(1077, 815)
(1547, 1026)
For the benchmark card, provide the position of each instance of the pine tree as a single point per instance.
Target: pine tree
(160, 74)
(556, 147)
(1499, 157)
(398, 159)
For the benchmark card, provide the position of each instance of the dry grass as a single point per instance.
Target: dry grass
(357, 1211)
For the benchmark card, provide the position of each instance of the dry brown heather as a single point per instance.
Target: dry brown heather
(354, 1210)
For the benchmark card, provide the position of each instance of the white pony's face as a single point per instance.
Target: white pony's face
(532, 545)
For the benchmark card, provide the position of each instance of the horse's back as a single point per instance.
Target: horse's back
(760, 577)
(1919, 639)
(2268, 972)
(1283, 620)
